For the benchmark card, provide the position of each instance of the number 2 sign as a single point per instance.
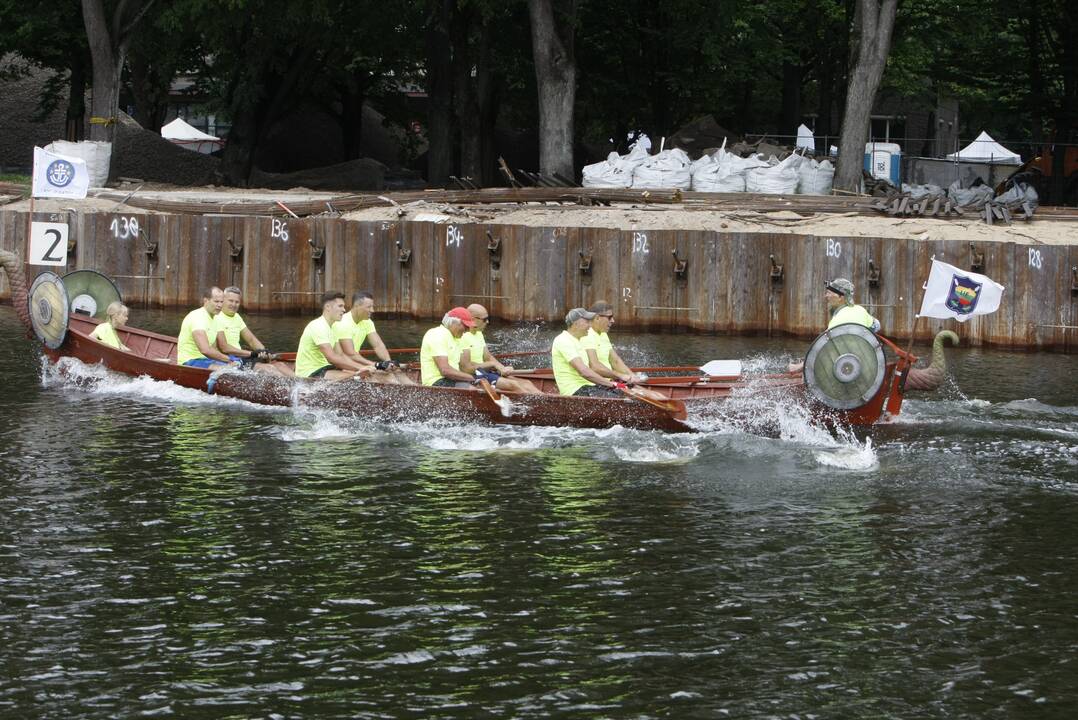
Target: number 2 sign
(48, 243)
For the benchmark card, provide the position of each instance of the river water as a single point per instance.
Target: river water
(164, 552)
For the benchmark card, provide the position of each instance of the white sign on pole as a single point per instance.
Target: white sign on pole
(48, 243)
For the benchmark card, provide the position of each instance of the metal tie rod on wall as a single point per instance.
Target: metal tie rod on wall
(488, 297)
(297, 292)
(1059, 327)
(661, 307)
(139, 277)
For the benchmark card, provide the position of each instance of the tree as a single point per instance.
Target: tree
(874, 21)
(553, 28)
(53, 36)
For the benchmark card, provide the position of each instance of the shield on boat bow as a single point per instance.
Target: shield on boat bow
(48, 309)
(90, 293)
(845, 366)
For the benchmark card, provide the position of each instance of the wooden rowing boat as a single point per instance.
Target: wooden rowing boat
(861, 397)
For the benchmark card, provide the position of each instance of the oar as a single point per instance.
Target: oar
(500, 400)
(674, 407)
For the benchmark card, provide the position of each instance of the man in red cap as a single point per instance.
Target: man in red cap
(439, 353)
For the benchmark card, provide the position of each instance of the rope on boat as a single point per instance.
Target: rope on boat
(11, 263)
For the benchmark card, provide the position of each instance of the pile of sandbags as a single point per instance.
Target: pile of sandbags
(917, 192)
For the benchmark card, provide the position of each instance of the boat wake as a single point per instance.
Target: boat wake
(787, 424)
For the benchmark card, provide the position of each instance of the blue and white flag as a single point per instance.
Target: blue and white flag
(951, 293)
(59, 176)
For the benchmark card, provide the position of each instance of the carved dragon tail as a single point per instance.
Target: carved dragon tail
(11, 263)
(931, 377)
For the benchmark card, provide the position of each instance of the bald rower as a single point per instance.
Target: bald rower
(475, 357)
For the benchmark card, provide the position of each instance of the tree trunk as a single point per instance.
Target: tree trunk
(352, 98)
(439, 93)
(876, 23)
(74, 128)
(1066, 120)
(107, 64)
(467, 58)
(555, 75)
(150, 93)
(791, 99)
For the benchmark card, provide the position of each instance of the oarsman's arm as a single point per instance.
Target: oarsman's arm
(252, 342)
(492, 362)
(590, 374)
(378, 346)
(248, 337)
(489, 363)
(348, 349)
(448, 371)
(603, 370)
(619, 365)
(339, 360)
(206, 348)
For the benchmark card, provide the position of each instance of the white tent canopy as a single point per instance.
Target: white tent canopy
(180, 133)
(986, 150)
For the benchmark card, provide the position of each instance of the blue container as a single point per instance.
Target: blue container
(884, 161)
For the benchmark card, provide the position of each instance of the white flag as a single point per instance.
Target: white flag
(957, 294)
(59, 175)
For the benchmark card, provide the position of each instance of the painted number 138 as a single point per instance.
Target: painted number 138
(124, 227)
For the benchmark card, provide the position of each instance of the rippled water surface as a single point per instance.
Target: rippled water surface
(164, 552)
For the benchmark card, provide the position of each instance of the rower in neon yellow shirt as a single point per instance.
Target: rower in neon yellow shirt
(439, 353)
(316, 357)
(230, 332)
(572, 374)
(194, 346)
(105, 333)
(477, 360)
(355, 327)
(601, 355)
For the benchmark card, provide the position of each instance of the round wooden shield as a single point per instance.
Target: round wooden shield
(48, 309)
(90, 293)
(845, 366)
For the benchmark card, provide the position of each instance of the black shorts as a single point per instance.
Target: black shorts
(597, 391)
(447, 383)
(321, 372)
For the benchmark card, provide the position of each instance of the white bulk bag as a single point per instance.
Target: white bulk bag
(96, 153)
(616, 171)
(778, 179)
(668, 169)
(815, 178)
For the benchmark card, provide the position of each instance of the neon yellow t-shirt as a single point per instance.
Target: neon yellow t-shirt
(231, 326)
(106, 335)
(853, 314)
(357, 332)
(186, 348)
(475, 344)
(600, 343)
(308, 356)
(438, 341)
(564, 350)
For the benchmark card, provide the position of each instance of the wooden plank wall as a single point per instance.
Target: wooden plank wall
(534, 273)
